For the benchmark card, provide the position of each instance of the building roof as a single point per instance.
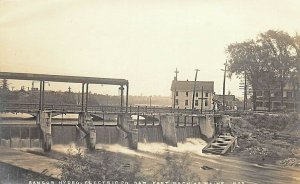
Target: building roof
(189, 86)
(227, 97)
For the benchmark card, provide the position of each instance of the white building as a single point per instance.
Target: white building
(182, 93)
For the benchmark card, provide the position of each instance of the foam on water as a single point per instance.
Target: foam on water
(192, 145)
(116, 148)
(71, 148)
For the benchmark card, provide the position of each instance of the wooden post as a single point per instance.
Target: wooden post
(138, 115)
(122, 97)
(192, 121)
(43, 95)
(40, 102)
(103, 118)
(175, 81)
(224, 81)
(245, 92)
(201, 99)
(153, 120)
(10, 137)
(127, 93)
(29, 137)
(194, 89)
(269, 107)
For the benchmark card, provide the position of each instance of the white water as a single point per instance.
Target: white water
(15, 115)
(192, 145)
(71, 148)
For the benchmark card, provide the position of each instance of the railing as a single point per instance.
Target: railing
(31, 107)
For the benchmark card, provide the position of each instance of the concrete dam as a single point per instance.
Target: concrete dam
(163, 124)
(167, 128)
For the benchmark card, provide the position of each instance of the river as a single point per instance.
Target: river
(225, 169)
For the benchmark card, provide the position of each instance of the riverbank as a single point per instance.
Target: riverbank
(268, 139)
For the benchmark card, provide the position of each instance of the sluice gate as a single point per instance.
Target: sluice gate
(20, 135)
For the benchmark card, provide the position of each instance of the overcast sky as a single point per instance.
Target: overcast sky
(142, 41)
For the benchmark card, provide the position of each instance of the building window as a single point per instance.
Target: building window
(284, 94)
(196, 102)
(259, 93)
(206, 103)
(266, 93)
(259, 104)
(277, 104)
(196, 94)
(176, 93)
(289, 94)
(206, 94)
(176, 102)
(186, 102)
(186, 93)
(267, 104)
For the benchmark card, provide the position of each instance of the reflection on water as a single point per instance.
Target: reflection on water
(6, 118)
(15, 115)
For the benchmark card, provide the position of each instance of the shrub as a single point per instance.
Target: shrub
(273, 122)
(176, 169)
(107, 167)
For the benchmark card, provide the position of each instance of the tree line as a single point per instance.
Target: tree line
(269, 62)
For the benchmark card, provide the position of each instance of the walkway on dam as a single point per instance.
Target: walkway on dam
(32, 162)
(33, 108)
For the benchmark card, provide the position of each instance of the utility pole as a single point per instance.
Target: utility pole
(281, 88)
(245, 91)
(122, 96)
(175, 81)
(193, 101)
(224, 81)
(201, 99)
(32, 86)
(269, 106)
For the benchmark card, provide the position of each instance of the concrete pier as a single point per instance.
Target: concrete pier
(129, 131)
(86, 125)
(44, 120)
(207, 126)
(168, 129)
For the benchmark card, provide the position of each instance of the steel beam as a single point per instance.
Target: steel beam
(82, 97)
(86, 97)
(61, 78)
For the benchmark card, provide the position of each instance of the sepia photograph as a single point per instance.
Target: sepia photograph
(149, 92)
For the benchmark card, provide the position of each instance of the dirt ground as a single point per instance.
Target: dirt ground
(268, 138)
